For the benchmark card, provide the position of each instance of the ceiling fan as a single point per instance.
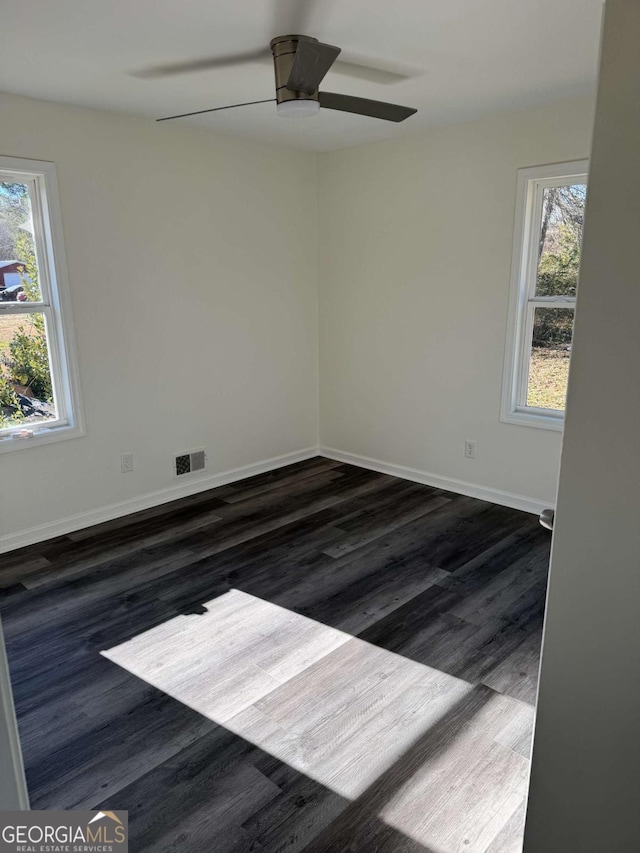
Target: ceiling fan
(300, 64)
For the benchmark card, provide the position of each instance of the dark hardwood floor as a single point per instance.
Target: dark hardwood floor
(321, 658)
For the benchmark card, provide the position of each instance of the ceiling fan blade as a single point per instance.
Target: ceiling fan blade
(203, 64)
(372, 71)
(312, 61)
(365, 107)
(216, 109)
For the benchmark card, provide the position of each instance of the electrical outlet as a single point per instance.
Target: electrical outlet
(470, 449)
(126, 463)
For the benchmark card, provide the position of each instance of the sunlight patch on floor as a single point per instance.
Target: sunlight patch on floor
(301, 690)
(339, 710)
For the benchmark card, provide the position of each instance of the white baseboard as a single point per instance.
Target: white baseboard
(61, 526)
(484, 493)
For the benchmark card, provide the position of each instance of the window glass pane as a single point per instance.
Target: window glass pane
(550, 356)
(560, 240)
(18, 264)
(26, 393)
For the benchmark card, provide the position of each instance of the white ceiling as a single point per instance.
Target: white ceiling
(468, 58)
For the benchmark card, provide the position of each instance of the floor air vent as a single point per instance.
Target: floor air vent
(187, 463)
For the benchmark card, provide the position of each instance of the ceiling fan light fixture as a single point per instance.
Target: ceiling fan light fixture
(298, 108)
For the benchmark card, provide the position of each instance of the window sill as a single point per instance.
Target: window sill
(532, 419)
(46, 436)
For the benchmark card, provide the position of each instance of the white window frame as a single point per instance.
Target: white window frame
(55, 304)
(522, 299)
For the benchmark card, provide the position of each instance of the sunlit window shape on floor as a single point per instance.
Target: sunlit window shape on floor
(442, 761)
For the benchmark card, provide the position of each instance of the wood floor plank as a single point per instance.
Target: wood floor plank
(431, 794)
(393, 513)
(517, 675)
(497, 596)
(509, 839)
(100, 764)
(163, 802)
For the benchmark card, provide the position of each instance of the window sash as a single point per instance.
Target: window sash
(533, 227)
(60, 366)
(23, 307)
(531, 185)
(55, 369)
(524, 360)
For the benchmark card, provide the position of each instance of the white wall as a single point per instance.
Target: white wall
(194, 289)
(194, 301)
(415, 243)
(585, 783)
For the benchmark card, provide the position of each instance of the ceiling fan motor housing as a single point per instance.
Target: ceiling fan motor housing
(284, 50)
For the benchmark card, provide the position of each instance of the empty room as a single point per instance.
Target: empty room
(318, 457)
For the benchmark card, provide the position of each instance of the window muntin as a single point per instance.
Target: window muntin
(38, 380)
(549, 225)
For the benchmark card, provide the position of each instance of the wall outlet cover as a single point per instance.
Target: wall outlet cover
(470, 449)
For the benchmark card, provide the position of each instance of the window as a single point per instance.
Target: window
(38, 379)
(548, 239)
